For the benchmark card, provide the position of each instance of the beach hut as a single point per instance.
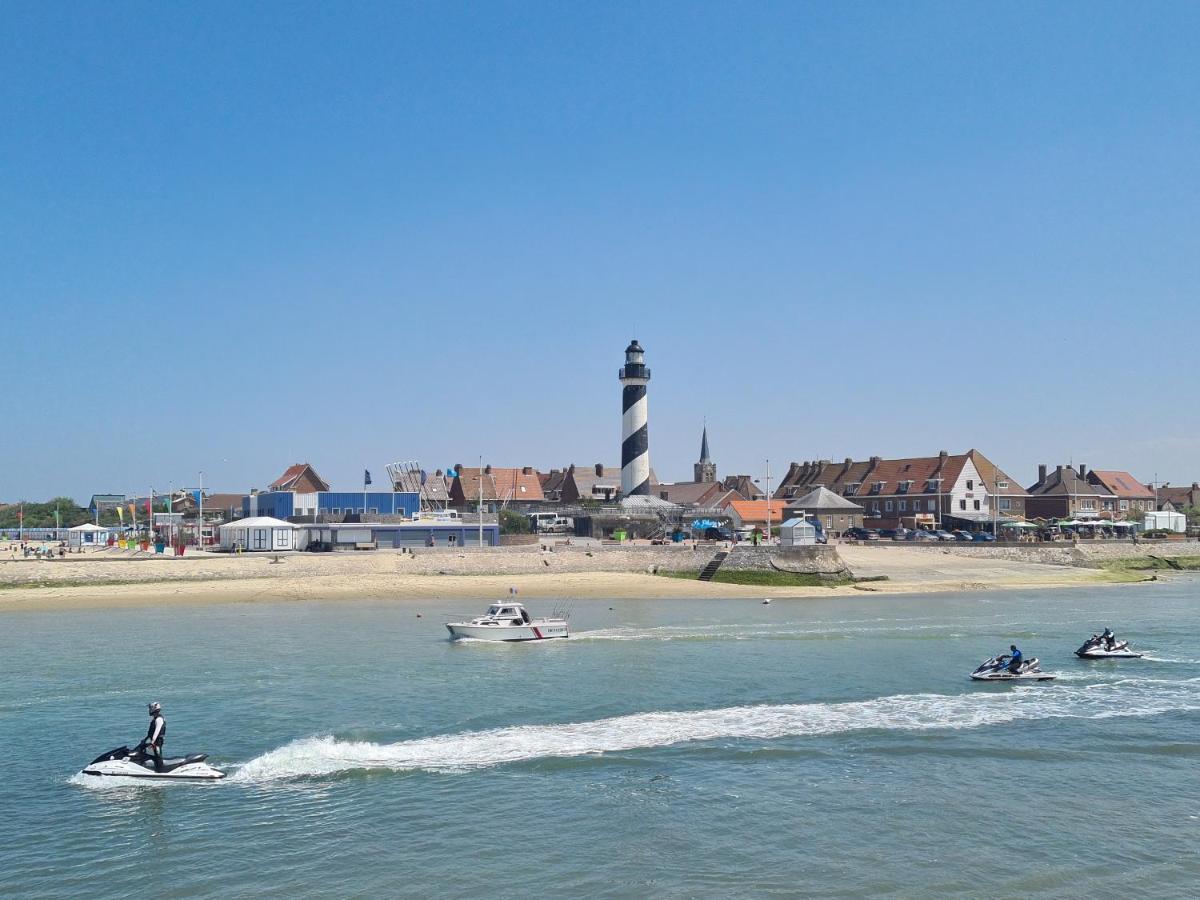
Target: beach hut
(797, 533)
(258, 534)
(87, 535)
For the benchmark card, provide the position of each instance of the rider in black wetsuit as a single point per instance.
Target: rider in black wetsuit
(1109, 639)
(156, 735)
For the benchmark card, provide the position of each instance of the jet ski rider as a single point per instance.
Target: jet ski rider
(156, 735)
(1109, 639)
(1014, 663)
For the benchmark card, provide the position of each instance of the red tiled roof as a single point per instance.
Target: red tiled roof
(1123, 484)
(756, 510)
(512, 484)
(287, 481)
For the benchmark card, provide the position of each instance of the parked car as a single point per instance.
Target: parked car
(982, 536)
(920, 535)
(718, 534)
(942, 535)
(861, 534)
(893, 534)
(960, 535)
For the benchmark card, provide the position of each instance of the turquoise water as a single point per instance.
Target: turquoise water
(703, 748)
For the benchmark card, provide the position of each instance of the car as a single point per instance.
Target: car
(942, 535)
(861, 534)
(961, 535)
(982, 536)
(718, 534)
(893, 534)
(920, 535)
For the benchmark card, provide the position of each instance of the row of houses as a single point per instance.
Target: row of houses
(963, 490)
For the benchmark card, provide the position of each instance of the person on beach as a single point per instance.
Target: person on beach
(156, 736)
(1014, 663)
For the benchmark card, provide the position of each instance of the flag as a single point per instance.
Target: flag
(150, 506)
(196, 494)
(133, 510)
(121, 513)
(366, 476)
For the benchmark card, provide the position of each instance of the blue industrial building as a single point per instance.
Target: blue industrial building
(289, 504)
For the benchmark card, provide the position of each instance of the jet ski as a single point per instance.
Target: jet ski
(996, 669)
(136, 763)
(1096, 647)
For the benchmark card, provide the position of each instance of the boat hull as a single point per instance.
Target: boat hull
(534, 631)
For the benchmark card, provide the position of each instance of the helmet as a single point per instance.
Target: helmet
(155, 708)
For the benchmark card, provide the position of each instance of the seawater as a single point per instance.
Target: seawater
(817, 747)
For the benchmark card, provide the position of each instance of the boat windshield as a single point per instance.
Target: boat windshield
(493, 611)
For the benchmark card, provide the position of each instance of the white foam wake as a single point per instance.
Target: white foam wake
(480, 749)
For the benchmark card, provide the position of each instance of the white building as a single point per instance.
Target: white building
(259, 533)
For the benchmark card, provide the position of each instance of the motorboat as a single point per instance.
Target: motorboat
(996, 669)
(509, 622)
(136, 763)
(1098, 647)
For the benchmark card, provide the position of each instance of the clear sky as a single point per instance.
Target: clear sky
(235, 236)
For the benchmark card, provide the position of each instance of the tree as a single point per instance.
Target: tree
(512, 522)
(41, 515)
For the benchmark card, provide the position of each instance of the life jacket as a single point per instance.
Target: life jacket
(162, 733)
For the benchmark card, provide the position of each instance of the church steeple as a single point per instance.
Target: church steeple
(705, 470)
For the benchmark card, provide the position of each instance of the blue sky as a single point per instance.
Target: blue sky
(241, 235)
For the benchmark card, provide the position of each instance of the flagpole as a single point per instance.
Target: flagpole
(200, 521)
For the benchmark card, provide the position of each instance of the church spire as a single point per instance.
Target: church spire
(705, 470)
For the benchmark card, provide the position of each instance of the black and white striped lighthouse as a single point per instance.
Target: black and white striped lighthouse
(635, 439)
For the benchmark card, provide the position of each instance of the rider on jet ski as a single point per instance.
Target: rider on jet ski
(1109, 639)
(1014, 663)
(156, 735)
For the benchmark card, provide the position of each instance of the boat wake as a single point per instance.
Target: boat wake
(323, 756)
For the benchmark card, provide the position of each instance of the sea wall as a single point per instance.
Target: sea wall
(1087, 554)
(815, 560)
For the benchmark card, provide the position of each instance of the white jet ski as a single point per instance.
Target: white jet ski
(125, 763)
(996, 669)
(1096, 647)
(508, 622)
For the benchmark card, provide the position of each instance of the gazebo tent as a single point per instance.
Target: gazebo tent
(87, 535)
(797, 533)
(260, 533)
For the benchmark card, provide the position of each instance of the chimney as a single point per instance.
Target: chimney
(875, 461)
(1195, 486)
(599, 470)
(1041, 473)
(487, 470)
(527, 470)
(571, 469)
(1058, 470)
(1082, 471)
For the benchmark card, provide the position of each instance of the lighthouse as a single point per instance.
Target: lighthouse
(635, 440)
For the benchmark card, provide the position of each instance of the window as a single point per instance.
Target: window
(1087, 504)
(977, 504)
(970, 484)
(1124, 504)
(875, 508)
(887, 505)
(962, 504)
(374, 511)
(932, 506)
(1001, 485)
(258, 538)
(337, 510)
(904, 487)
(902, 505)
(1005, 503)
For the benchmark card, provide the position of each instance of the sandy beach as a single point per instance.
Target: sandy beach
(97, 580)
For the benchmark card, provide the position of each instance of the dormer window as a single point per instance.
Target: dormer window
(877, 487)
(1001, 485)
(905, 486)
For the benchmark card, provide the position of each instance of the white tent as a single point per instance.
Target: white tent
(1170, 521)
(797, 533)
(87, 535)
(260, 533)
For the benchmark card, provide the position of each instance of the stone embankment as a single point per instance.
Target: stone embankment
(632, 558)
(1085, 554)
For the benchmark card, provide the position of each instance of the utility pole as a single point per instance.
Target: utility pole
(768, 501)
(200, 516)
(481, 501)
